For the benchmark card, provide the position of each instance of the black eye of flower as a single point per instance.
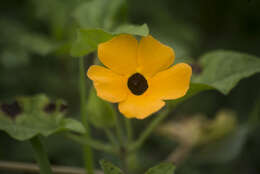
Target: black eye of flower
(12, 109)
(137, 84)
(51, 107)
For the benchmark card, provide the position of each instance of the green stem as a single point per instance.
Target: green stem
(255, 113)
(111, 136)
(88, 157)
(129, 130)
(119, 131)
(93, 143)
(148, 130)
(41, 156)
(123, 151)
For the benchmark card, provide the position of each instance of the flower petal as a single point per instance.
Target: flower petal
(140, 107)
(119, 54)
(153, 56)
(172, 83)
(109, 85)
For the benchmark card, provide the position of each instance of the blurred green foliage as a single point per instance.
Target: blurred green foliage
(109, 168)
(36, 38)
(163, 168)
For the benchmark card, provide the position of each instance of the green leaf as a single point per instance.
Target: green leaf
(87, 40)
(163, 168)
(37, 115)
(71, 124)
(140, 30)
(100, 113)
(224, 69)
(109, 168)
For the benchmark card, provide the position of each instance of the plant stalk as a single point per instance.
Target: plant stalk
(41, 155)
(119, 131)
(129, 130)
(255, 113)
(88, 157)
(93, 143)
(145, 134)
(111, 136)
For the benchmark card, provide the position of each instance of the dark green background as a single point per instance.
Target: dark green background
(34, 58)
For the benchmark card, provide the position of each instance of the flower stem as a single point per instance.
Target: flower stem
(148, 130)
(129, 130)
(41, 156)
(255, 113)
(93, 143)
(119, 131)
(88, 157)
(111, 136)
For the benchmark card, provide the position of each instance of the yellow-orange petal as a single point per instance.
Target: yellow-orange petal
(172, 83)
(140, 107)
(109, 85)
(154, 56)
(119, 54)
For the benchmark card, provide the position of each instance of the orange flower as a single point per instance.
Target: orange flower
(138, 76)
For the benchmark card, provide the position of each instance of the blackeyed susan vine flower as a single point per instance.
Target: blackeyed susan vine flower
(138, 76)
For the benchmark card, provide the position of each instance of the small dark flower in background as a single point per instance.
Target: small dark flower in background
(63, 107)
(12, 109)
(51, 107)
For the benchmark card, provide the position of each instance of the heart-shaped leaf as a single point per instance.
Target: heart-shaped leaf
(87, 40)
(222, 70)
(30, 116)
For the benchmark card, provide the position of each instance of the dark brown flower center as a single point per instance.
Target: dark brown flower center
(137, 84)
(49, 108)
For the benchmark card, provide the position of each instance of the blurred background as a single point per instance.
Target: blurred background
(35, 39)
